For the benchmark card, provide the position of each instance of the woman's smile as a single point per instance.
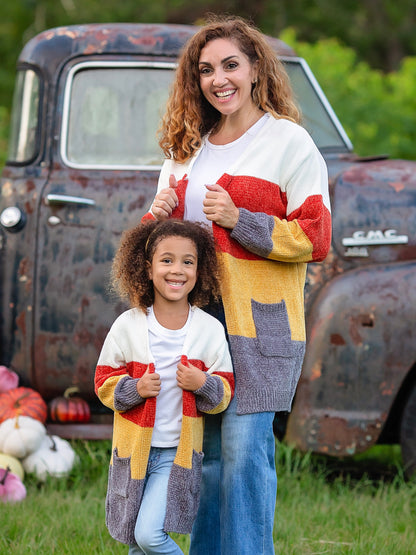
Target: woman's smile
(226, 77)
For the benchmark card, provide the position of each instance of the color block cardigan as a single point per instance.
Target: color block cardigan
(124, 358)
(280, 185)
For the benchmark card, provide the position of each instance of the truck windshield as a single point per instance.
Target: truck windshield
(112, 113)
(24, 118)
(318, 117)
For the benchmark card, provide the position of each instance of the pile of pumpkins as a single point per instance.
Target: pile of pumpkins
(25, 445)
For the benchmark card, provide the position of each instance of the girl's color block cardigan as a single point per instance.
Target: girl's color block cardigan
(280, 185)
(124, 358)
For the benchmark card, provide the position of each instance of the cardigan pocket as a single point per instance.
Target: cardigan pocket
(184, 491)
(120, 475)
(273, 330)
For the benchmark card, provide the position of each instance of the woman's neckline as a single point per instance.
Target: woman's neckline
(252, 127)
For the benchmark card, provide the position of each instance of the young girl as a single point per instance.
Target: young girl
(163, 363)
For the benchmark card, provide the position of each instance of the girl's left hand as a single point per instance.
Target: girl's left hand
(219, 207)
(190, 377)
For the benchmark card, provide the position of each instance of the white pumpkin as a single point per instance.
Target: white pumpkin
(14, 464)
(55, 457)
(20, 436)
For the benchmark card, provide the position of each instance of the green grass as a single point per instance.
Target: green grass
(324, 506)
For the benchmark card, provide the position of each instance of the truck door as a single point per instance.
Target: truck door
(104, 175)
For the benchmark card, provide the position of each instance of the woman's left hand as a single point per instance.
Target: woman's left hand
(219, 207)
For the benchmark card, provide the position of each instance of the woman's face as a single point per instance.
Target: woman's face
(226, 77)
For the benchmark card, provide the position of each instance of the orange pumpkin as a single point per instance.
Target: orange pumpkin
(69, 408)
(22, 401)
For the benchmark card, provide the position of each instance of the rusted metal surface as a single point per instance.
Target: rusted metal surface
(361, 346)
(51, 49)
(57, 307)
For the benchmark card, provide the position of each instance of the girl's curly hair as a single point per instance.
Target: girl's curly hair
(189, 116)
(137, 246)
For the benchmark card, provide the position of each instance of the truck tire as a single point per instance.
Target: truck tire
(408, 434)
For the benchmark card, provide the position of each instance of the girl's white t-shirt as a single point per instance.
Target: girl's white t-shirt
(166, 347)
(212, 162)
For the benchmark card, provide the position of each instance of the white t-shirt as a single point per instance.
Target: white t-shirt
(167, 346)
(212, 162)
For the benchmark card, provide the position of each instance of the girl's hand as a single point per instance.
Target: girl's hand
(190, 377)
(148, 385)
(219, 207)
(165, 201)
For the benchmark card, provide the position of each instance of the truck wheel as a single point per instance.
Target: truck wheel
(408, 434)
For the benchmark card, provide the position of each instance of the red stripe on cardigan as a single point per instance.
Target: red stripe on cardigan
(144, 414)
(104, 372)
(314, 219)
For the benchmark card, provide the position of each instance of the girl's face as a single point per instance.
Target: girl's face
(226, 77)
(174, 270)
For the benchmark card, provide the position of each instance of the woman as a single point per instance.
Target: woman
(237, 159)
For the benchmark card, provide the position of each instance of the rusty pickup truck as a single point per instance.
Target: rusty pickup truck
(83, 165)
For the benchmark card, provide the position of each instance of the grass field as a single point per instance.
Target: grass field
(324, 506)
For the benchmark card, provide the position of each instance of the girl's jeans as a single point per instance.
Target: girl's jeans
(238, 494)
(150, 537)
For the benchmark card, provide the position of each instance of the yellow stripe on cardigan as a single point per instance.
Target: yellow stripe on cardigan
(191, 440)
(132, 440)
(264, 281)
(290, 243)
(106, 391)
(225, 400)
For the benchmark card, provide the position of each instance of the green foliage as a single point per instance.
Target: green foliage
(376, 109)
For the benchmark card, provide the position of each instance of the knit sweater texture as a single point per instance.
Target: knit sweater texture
(124, 358)
(280, 185)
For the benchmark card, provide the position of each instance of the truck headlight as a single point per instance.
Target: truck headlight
(12, 219)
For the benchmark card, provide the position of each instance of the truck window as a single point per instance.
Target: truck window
(318, 117)
(111, 114)
(24, 118)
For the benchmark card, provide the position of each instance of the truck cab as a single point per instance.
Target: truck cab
(83, 166)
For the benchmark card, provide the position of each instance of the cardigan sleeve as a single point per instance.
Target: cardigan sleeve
(215, 395)
(115, 388)
(304, 234)
(162, 183)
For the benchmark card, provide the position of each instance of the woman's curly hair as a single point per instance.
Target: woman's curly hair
(189, 116)
(130, 268)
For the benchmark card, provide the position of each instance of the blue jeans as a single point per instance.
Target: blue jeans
(238, 495)
(149, 534)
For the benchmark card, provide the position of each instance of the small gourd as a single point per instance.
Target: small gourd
(11, 487)
(22, 401)
(55, 457)
(8, 379)
(20, 436)
(69, 408)
(7, 461)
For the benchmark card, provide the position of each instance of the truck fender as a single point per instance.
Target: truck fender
(361, 343)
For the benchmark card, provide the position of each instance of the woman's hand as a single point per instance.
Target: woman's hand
(165, 201)
(219, 207)
(190, 377)
(149, 385)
